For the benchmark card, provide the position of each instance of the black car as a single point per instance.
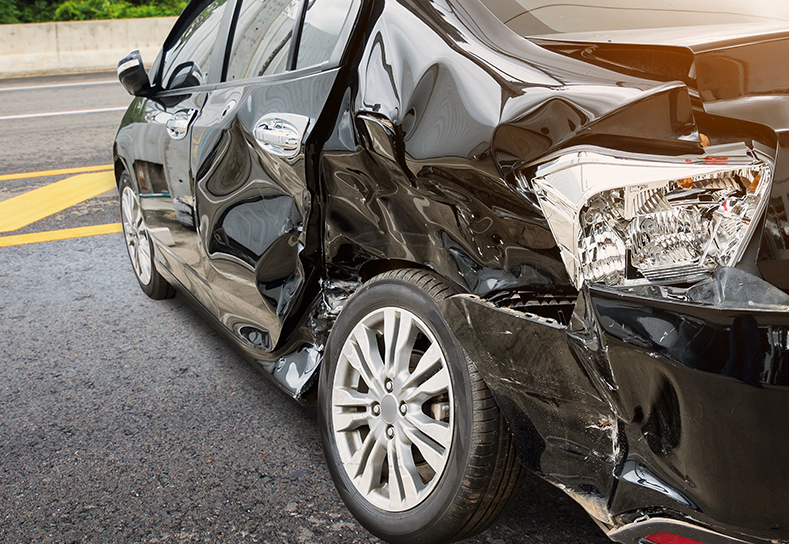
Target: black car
(487, 236)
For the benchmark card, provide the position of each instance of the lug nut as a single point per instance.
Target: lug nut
(403, 409)
(390, 432)
(376, 409)
(389, 385)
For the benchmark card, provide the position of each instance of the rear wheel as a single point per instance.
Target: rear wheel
(413, 438)
(139, 244)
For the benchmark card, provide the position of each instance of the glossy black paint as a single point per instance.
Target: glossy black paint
(416, 155)
(640, 402)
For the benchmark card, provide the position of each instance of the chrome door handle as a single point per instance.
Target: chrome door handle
(178, 124)
(281, 133)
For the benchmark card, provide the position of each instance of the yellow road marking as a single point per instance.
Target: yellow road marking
(20, 211)
(64, 172)
(64, 234)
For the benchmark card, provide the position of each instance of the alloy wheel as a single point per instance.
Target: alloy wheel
(137, 242)
(392, 409)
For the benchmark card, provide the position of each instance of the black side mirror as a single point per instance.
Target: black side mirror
(187, 74)
(132, 75)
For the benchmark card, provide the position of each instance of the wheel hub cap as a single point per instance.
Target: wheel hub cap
(389, 410)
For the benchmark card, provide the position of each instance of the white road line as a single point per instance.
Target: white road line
(59, 86)
(59, 113)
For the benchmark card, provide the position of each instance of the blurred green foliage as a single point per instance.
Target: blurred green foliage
(42, 11)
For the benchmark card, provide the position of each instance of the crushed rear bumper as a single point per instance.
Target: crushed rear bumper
(646, 409)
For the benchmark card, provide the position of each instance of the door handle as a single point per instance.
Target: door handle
(281, 134)
(178, 124)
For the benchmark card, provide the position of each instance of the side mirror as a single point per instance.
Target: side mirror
(132, 75)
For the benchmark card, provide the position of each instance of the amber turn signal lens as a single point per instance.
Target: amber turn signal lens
(755, 183)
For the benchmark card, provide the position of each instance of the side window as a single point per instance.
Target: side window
(187, 61)
(323, 23)
(262, 39)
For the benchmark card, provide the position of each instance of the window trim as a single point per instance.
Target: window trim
(296, 39)
(231, 34)
(217, 55)
(343, 41)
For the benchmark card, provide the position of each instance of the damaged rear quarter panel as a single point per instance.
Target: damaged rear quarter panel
(642, 406)
(420, 167)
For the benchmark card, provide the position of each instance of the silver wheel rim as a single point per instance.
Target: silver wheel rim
(136, 235)
(392, 409)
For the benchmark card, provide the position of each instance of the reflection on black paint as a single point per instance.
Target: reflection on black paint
(247, 229)
(746, 351)
(663, 427)
(230, 163)
(737, 345)
(280, 274)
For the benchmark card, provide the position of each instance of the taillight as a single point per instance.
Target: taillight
(669, 538)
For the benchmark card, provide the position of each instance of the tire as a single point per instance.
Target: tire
(442, 468)
(139, 245)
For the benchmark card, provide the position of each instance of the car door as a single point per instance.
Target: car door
(254, 195)
(189, 65)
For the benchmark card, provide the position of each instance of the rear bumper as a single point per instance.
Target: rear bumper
(633, 533)
(646, 409)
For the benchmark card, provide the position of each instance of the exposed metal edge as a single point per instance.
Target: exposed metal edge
(632, 533)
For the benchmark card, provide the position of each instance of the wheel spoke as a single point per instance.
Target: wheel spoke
(138, 219)
(367, 463)
(351, 398)
(349, 421)
(427, 363)
(134, 259)
(144, 258)
(437, 430)
(391, 326)
(430, 449)
(344, 420)
(408, 473)
(362, 352)
(406, 336)
(355, 464)
(127, 211)
(144, 250)
(396, 492)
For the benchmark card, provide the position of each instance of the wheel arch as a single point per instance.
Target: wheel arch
(376, 267)
(120, 167)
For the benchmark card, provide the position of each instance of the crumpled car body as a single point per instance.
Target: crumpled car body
(567, 183)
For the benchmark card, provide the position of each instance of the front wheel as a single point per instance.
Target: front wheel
(139, 244)
(414, 440)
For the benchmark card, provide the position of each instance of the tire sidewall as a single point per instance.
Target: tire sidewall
(421, 522)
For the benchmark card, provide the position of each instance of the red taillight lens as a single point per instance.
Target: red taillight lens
(668, 538)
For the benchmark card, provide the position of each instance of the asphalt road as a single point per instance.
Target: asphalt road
(127, 420)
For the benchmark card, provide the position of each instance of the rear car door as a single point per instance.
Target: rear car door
(252, 150)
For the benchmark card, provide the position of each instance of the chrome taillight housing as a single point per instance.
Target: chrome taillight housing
(652, 219)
